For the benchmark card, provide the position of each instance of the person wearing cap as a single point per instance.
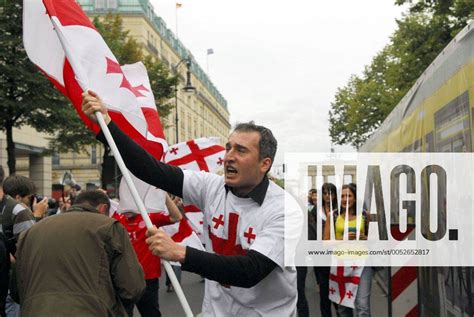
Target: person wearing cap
(157, 203)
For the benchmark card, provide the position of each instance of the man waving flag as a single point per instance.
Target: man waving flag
(60, 39)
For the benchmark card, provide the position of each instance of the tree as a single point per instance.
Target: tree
(26, 96)
(362, 105)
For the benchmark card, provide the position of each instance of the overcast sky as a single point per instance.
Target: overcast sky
(280, 62)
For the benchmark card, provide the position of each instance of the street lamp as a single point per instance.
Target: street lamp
(188, 87)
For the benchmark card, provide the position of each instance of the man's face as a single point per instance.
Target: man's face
(243, 170)
(314, 198)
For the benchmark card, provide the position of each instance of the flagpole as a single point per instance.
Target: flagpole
(176, 21)
(141, 208)
(83, 83)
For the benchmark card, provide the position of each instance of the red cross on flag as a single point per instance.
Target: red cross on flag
(60, 39)
(344, 280)
(203, 154)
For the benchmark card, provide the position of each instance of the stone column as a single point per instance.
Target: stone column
(3, 155)
(41, 173)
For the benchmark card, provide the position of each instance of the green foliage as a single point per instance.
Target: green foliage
(162, 84)
(125, 48)
(362, 105)
(26, 96)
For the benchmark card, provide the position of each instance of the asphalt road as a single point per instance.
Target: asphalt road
(194, 291)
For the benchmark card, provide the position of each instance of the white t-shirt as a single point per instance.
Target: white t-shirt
(233, 225)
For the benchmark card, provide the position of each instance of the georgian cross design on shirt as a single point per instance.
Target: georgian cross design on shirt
(174, 150)
(218, 221)
(227, 246)
(250, 235)
(220, 161)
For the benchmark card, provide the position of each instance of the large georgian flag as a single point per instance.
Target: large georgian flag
(60, 39)
(344, 281)
(203, 154)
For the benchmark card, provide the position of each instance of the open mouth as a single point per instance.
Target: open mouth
(229, 170)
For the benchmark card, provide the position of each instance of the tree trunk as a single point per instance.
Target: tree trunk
(11, 162)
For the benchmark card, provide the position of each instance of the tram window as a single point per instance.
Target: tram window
(417, 146)
(458, 145)
(429, 142)
(445, 148)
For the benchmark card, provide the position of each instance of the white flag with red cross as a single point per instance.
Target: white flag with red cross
(344, 281)
(61, 40)
(203, 154)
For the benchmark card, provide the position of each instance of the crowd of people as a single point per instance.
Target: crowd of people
(102, 264)
(331, 210)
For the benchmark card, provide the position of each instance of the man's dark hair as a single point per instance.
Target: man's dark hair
(18, 185)
(267, 145)
(312, 191)
(92, 198)
(2, 175)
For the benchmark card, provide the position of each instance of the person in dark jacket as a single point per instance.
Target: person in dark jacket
(79, 263)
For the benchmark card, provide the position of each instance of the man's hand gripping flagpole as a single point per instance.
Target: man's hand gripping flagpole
(83, 82)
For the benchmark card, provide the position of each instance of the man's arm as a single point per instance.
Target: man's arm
(174, 213)
(143, 165)
(239, 270)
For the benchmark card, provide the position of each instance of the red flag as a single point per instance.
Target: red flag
(60, 39)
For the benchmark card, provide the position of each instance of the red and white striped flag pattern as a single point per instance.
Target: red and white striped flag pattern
(344, 281)
(60, 39)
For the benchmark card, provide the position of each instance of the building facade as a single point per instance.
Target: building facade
(200, 114)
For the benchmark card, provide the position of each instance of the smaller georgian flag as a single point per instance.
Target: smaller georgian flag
(344, 281)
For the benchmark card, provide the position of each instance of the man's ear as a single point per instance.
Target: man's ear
(265, 164)
(103, 209)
